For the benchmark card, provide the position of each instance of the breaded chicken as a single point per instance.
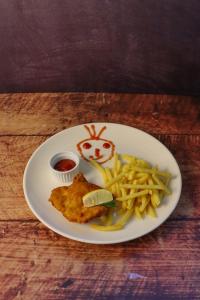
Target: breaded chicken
(68, 200)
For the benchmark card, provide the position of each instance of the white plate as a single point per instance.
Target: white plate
(39, 181)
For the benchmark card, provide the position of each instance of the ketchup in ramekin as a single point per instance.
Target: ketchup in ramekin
(64, 165)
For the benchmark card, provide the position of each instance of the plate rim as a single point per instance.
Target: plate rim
(84, 240)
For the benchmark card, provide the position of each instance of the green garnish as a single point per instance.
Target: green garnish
(109, 204)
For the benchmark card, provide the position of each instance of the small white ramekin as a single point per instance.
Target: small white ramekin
(65, 176)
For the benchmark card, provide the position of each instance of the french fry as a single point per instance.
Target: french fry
(128, 158)
(118, 166)
(137, 212)
(118, 191)
(143, 186)
(109, 178)
(107, 227)
(151, 211)
(151, 171)
(130, 202)
(125, 218)
(142, 163)
(144, 203)
(143, 179)
(138, 189)
(119, 225)
(135, 195)
(109, 219)
(159, 182)
(116, 169)
(99, 168)
(114, 180)
(155, 199)
(124, 205)
(162, 193)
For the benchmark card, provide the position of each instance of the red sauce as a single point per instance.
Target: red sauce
(97, 152)
(106, 145)
(87, 145)
(64, 165)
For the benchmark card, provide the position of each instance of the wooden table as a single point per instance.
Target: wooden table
(36, 263)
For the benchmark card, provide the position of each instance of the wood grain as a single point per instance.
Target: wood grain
(14, 154)
(36, 263)
(39, 264)
(46, 114)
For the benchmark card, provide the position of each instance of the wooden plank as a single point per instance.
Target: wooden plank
(16, 150)
(39, 264)
(14, 154)
(45, 114)
(186, 150)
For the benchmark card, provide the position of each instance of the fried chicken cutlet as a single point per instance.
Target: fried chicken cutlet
(68, 200)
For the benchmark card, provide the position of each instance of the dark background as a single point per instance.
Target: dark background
(100, 45)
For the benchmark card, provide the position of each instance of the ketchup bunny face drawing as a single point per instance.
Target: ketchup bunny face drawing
(95, 147)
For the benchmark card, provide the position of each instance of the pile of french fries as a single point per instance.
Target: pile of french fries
(137, 187)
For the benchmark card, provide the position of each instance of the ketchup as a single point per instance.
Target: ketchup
(64, 165)
(106, 145)
(87, 145)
